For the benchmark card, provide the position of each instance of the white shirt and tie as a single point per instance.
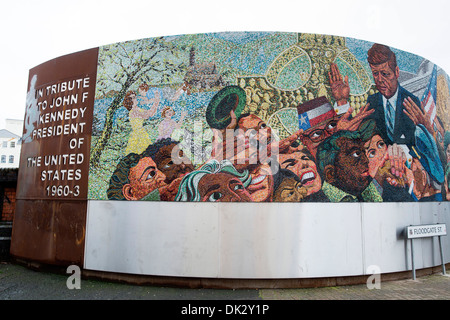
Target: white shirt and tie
(390, 106)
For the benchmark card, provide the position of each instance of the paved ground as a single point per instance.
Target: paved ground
(20, 283)
(432, 287)
(28, 292)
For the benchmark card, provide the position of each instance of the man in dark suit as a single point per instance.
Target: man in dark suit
(390, 115)
(399, 117)
(398, 114)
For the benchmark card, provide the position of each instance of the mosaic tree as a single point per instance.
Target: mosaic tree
(122, 66)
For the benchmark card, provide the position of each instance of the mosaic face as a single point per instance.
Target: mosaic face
(315, 135)
(261, 187)
(172, 167)
(352, 166)
(290, 190)
(385, 79)
(252, 122)
(144, 178)
(376, 150)
(302, 164)
(222, 187)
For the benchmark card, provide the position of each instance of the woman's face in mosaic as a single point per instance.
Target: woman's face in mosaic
(375, 151)
(302, 164)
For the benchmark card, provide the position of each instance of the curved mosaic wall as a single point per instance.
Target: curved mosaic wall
(251, 116)
(121, 142)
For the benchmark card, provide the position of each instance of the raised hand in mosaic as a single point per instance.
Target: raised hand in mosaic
(339, 86)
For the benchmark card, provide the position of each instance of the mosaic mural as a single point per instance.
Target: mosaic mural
(268, 117)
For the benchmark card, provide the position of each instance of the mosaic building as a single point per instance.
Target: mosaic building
(335, 144)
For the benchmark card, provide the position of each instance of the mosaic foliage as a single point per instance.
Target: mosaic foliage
(268, 117)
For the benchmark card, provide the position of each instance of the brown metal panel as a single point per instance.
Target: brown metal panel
(50, 131)
(50, 219)
(49, 231)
